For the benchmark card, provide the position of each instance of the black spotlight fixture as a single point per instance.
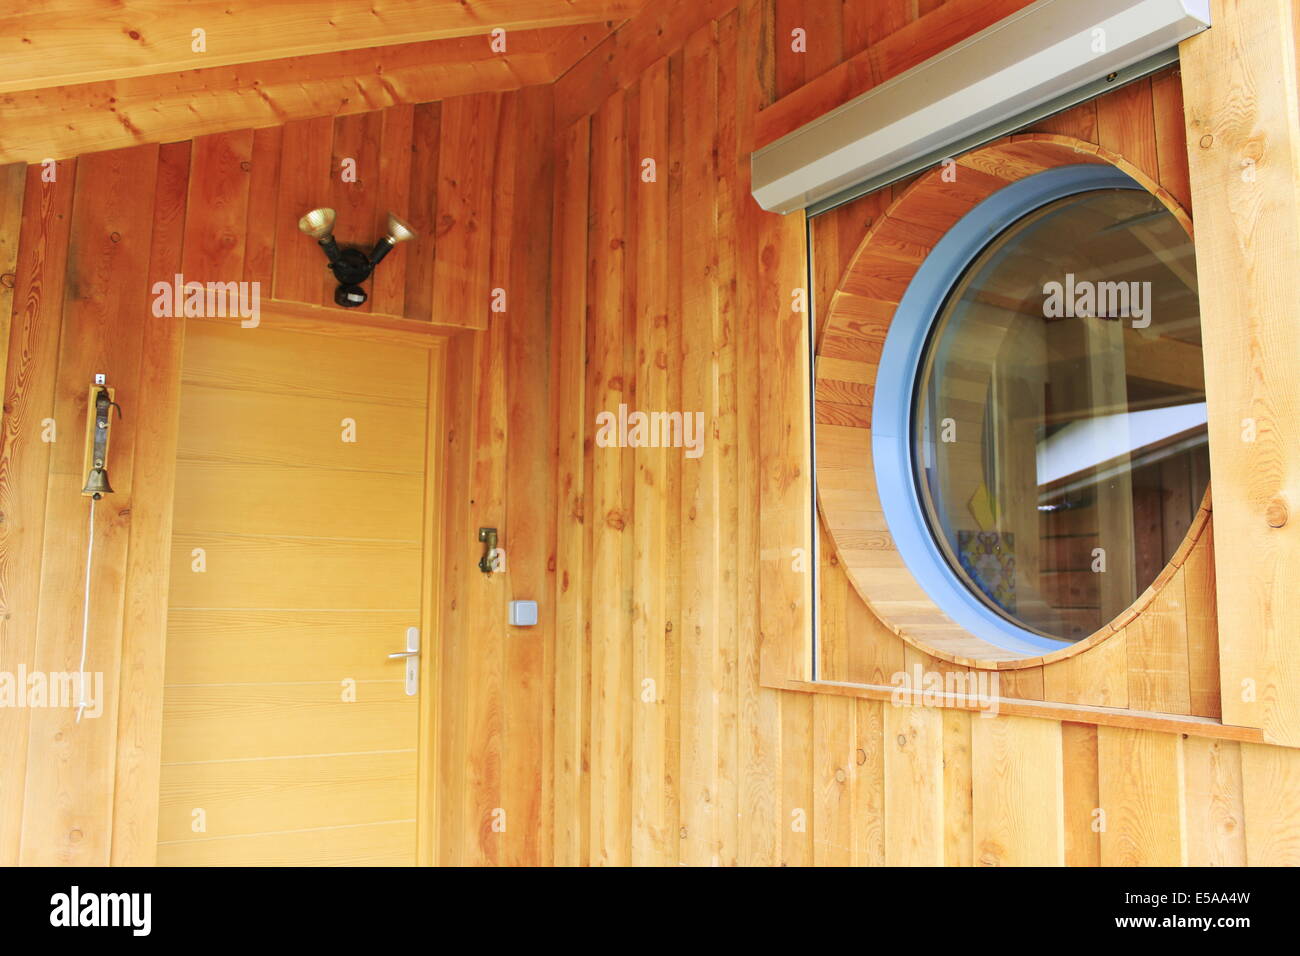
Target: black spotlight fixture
(351, 265)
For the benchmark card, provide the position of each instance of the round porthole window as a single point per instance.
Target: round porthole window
(1042, 388)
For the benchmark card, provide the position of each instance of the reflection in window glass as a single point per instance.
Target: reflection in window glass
(1059, 432)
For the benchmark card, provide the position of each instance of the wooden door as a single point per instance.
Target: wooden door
(288, 737)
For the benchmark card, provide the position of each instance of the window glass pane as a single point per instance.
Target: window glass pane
(1059, 430)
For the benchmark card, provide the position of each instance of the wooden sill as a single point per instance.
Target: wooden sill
(1047, 710)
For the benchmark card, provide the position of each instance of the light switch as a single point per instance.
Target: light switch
(523, 613)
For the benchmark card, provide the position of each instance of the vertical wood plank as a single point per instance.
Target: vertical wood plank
(215, 219)
(105, 309)
(1157, 653)
(1171, 135)
(653, 833)
(834, 743)
(1126, 124)
(529, 483)
(704, 552)
(426, 124)
(914, 824)
(393, 194)
(456, 614)
(1098, 676)
(486, 664)
(490, 734)
(759, 708)
(674, 586)
(726, 438)
(13, 184)
(835, 641)
(1238, 79)
(263, 202)
(927, 30)
(467, 148)
(869, 784)
(798, 803)
(148, 570)
(1019, 801)
(784, 462)
(612, 691)
(1202, 626)
(626, 316)
(958, 789)
(568, 360)
(1216, 815)
(1270, 778)
(1080, 794)
(594, 397)
(1078, 121)
(29, 403)
(1140, 784)
(825, 26)
(791, 62)
(1024, 682)
(204, 195)
(354, 184)
(301, 272)
(866, 24)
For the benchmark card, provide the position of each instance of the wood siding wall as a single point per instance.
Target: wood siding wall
(633, 724)
(669, 568)
(95, 234)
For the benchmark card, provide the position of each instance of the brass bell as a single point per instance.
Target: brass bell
(97, 482)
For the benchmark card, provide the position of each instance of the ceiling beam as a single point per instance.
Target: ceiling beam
(112, 114)
(576, 42)
(65, 42)
(619, 60)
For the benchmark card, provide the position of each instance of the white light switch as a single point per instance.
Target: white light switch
(523, 613)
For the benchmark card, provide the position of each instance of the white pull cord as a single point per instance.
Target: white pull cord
(85, 615)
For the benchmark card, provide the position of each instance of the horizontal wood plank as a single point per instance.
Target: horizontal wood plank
(119, 40)
(242, 721)
(212, 646)
(378, 844)
(240, 797)
(262, 571)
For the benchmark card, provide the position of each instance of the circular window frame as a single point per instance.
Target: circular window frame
(869, 355)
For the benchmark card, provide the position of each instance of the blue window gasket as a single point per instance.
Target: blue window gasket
(900, 365)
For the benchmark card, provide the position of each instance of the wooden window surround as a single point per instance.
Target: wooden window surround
(861, 311)
(859, 315)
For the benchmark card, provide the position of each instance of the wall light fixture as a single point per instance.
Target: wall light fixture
(351, 265)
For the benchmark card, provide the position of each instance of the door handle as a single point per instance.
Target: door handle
(412, 657)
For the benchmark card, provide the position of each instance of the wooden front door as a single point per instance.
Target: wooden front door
(288, 734)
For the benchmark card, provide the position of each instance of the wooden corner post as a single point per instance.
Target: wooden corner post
(1242, 106)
